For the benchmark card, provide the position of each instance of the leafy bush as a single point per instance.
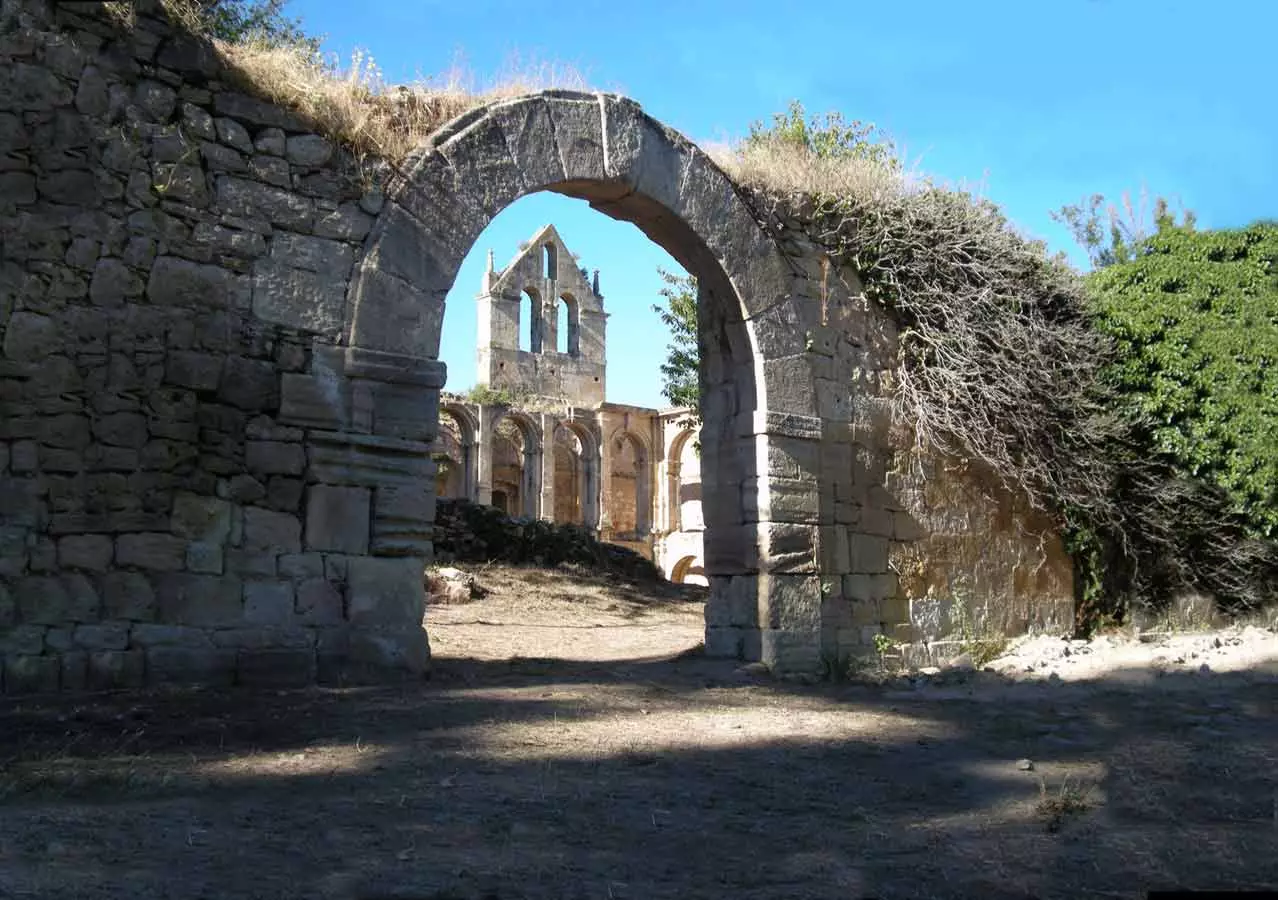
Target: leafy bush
(1195, 321)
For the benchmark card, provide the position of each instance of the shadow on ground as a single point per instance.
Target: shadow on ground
(644, 779)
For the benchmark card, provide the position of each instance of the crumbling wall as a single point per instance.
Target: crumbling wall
(219, 389)
(175, 253)
(938, 552)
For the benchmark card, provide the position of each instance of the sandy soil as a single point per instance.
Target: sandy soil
(573, 743)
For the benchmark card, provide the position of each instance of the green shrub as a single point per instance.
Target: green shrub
(1194, 318)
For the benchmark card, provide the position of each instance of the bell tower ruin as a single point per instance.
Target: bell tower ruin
(520, 307)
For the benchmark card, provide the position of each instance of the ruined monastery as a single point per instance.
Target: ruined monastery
(554, 448)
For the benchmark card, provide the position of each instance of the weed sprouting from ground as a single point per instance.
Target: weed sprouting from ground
(1070, 799)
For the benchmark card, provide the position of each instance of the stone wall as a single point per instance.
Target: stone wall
(934, 551)
(219, 380)
(176, 256)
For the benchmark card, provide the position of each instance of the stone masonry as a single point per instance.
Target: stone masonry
(220, 386)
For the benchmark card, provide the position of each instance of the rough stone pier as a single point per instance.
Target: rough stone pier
(219, 383)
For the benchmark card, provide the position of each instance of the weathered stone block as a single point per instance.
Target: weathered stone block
(337, 519)
(74, 675)
(298, 298)
(32, 674)
(190, 369)
(268, 531)
(182, 283)
(121, 429)
(147, 634)
(104, 636)
(41, 600)
(788, 547)
(405, 649)
(154, 551)
(403, 517)
(113, 283)
(23, 640)
(724, 642)
(284, 493)
(207, 601)
(268, 602)
(384, 591)
(90, 552)
(30, 337)
(276, 667)
(259, 563)
(791, 652)
(83, 602)
(274, 458)
(301, 566)
(186, 665)
(319, 602)
(205, 558)
(252, 199)
(347, 222)
(127, 595)
(869, 554)
(110, 669)
(249, 384)
(201, 518)
(308, 150)
(790, 602)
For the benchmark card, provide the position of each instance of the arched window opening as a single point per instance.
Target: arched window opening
(551, 260)
(562, 324)
(569, 335)
(530, 322)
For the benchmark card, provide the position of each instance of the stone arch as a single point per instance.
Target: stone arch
(630, 484)
(754, 311)
(680, 496)
(577, 490)
(687, 567)
(468, 430)
(528, 485)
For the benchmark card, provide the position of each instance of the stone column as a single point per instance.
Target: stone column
(484, 449)
(470, 484)
(605, 480)
(548, 423)
(370, 419)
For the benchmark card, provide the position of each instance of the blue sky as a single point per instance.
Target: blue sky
(1038, 104)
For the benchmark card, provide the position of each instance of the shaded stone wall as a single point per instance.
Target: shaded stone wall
(176, 256)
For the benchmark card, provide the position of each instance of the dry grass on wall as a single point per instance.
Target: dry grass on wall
(354, 104)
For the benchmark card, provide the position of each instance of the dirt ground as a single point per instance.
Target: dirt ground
(573, 743)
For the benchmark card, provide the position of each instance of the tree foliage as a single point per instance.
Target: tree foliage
(680, 371)
(1119, 235)
(1194, 316)
(826, 137)
(254, 21)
